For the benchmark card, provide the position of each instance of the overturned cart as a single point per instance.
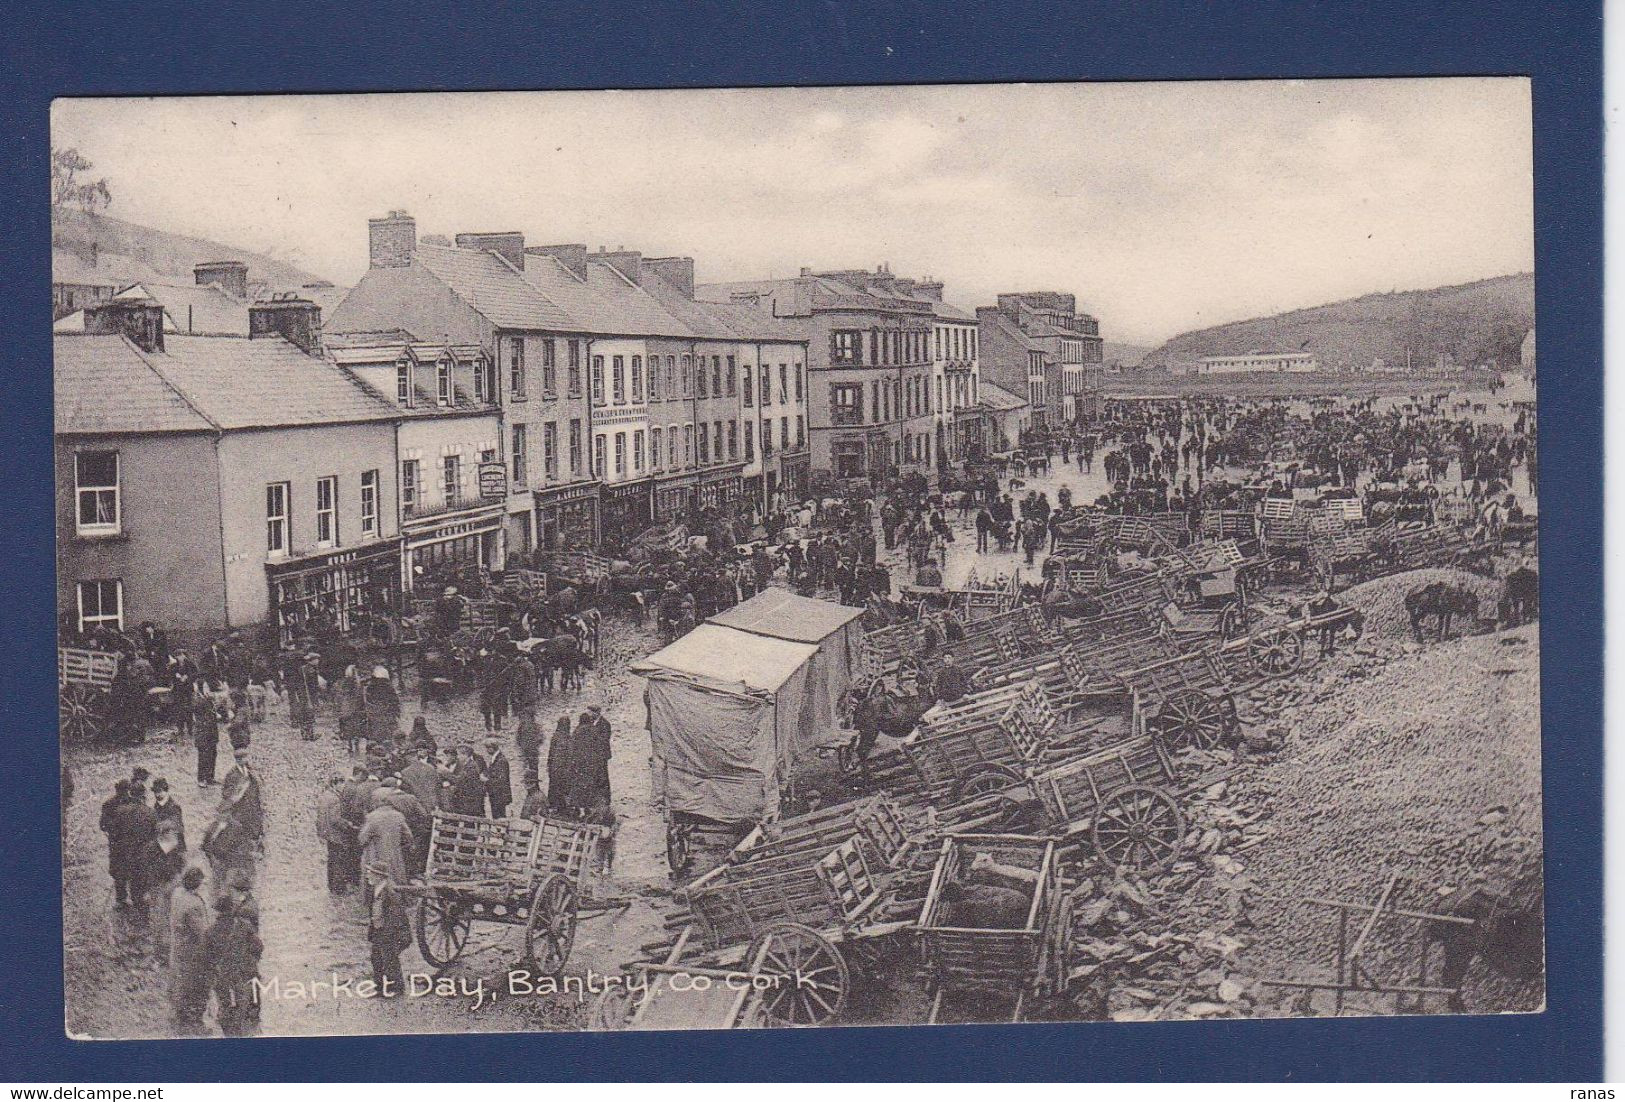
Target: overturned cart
(778, 933)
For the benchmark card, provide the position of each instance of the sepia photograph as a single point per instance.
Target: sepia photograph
(755, 558)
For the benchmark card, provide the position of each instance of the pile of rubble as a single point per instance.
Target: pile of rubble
(1401, 773)
(1383, 599)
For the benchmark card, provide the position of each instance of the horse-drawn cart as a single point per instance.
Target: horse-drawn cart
(84, 687)
(516, 872)
(779, 929)
(1018, 941)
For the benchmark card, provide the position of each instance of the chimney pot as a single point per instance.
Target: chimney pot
(391, 241)
(508, 244)
(141, 320)
(296, 320)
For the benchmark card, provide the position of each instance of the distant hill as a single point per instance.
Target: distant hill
(145, 252)
(1129, 355)
(1472, 323)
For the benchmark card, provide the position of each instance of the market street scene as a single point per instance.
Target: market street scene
(810, 627)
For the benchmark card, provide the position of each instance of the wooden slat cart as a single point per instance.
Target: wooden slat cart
(968, 950)
(516, 872)
(84, 685)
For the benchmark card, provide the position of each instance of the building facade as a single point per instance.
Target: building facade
(955, 382)
(1293, 362)
(453, 480)
(475, 295)
(1036, 345)
(214, 483)
(869, 366)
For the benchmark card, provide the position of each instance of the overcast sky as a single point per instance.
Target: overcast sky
(1163, 207)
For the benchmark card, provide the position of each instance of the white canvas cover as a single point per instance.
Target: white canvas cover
(716, 697)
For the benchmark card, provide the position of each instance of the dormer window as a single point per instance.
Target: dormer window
(403, 382)
(443, 382)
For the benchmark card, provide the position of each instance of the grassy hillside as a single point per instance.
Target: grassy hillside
(169, 254)
(1129, 355)
(1471, 323)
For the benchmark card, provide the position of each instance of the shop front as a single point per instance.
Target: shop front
(334, 591)
(795, 473)
(628, 510)
(567, 518)
(674, 497)
(721, 489)
(450, 543)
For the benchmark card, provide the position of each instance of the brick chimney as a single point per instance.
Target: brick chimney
(296, 320)
(675, 270)
(139, 319)
(573, 257)
(231, 276)
(629, 262)
(508, 244)
(392, 240)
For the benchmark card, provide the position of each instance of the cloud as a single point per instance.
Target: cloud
(1168, 205)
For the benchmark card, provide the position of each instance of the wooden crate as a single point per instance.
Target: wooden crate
(734, 903)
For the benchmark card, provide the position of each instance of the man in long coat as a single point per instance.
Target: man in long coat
(422, 779)
(467, 795)
(382, 706)
(130, 829)
(385, 839)
(498, 779)
(188, 961)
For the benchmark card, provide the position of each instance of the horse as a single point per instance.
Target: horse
(1520, 597)
(1442, 601)
(564, 654)
(587, 627)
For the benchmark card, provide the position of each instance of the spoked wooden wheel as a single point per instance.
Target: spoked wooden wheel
(1192, 719)
(1276, 653)
(443, 926)
(550, 930)
(1140, 825)
(985, 778)
(81, 712)
(613, 1009)
(806, 977)
(1231, 622)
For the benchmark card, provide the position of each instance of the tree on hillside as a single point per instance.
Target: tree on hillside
(70, 185)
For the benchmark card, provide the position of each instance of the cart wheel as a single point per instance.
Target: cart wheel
(1231, 622)
(1276, 653)
(613, 1009)
(1140, 825)
(679, 854)
(985, 778)
(443, 926)
(808, 976)
(909, 669)
(551, 928)
(81, 712)
(1192, 719)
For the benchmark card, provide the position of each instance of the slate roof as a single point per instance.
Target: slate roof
(605, 302)
(240, 383)
(493, 288)
(753, 323)
(107, 384)
(102, 385)
(996, 397)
